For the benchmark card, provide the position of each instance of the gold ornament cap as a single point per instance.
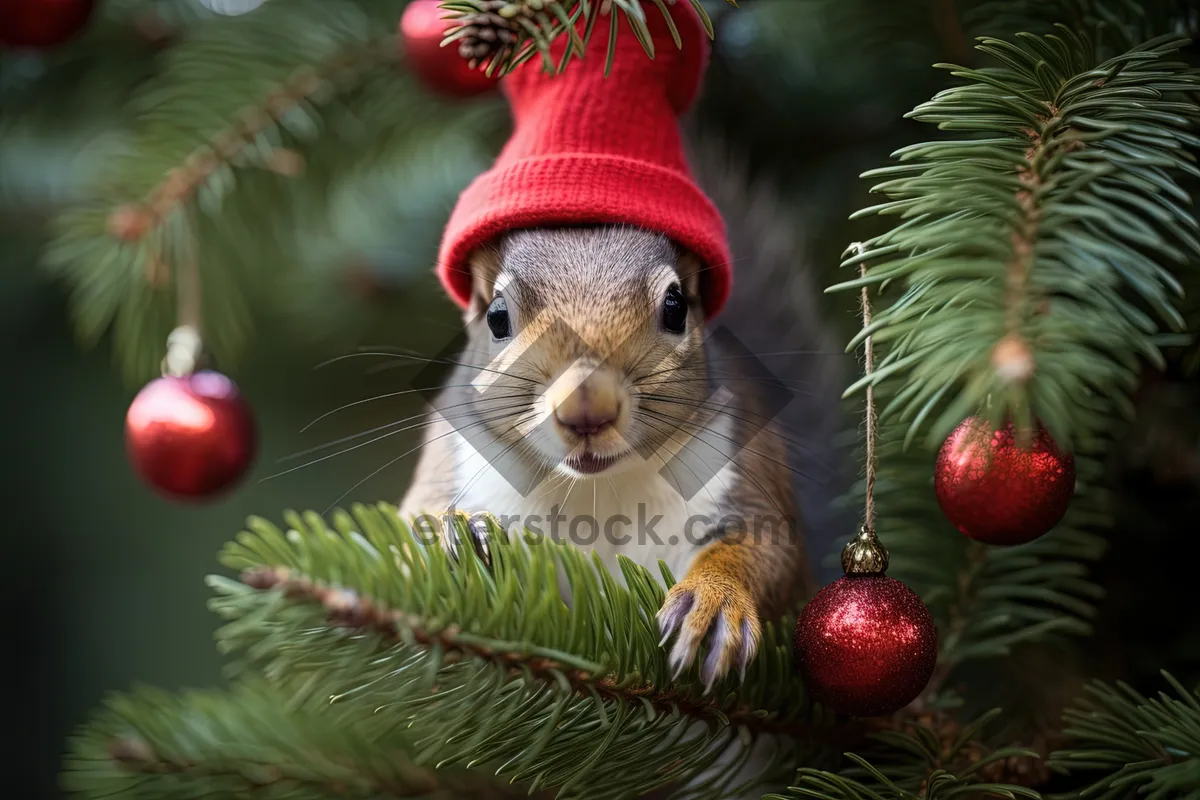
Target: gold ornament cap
(865, 555)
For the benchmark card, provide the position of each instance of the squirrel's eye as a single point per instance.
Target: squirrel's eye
(497, 318)
(674, 310)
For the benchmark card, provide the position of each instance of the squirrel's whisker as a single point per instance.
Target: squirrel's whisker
(418, 426)
(378, 397)
(385, 426)
(666, 462)
(780, 354)
(409, 452)
(420, 359)
(745, 474)
(754, 419)
(702, 429)
(674, 379)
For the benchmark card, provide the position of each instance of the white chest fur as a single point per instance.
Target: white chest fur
(635, 512)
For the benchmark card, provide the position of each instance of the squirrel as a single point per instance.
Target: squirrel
(607, 403)
(598, 393)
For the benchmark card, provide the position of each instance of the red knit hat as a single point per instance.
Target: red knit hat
(590, 149)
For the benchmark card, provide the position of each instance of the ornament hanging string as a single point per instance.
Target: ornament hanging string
(185, 345)
(865, 554)
(187, 276)
(869, 358)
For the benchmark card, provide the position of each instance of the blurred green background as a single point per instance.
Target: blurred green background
(104, 582)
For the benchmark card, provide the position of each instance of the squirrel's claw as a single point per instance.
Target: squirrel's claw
(477, 534)
(723, 617)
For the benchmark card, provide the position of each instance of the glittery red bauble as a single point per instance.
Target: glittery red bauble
(190, 438)
(422, 28)
(866, 645)
(997, 492)
(42, 23)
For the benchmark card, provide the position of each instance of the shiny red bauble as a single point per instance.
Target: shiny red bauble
(42, 23)
(997, 492)
(422, 28)
(190, 438)
(865, 645)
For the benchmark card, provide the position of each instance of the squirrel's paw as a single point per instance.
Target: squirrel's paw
(719, 613)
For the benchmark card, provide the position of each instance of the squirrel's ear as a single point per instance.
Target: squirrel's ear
(688, 267)
(485, 268)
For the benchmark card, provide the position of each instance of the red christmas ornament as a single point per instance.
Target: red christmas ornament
(997, 492)
(866, 644)
(42, 23)
(422, 28)
(190, 437)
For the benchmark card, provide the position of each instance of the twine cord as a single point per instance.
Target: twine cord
(865, 555)
(869, 511)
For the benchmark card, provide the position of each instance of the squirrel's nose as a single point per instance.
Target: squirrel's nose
(585, 422)
(591, 407)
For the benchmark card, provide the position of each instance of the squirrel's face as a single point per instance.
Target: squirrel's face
(590, 342)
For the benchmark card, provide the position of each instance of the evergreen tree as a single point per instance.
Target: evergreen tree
(1033, 269)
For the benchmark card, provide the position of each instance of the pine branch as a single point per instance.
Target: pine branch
(1022, 241)
(252, 742)
(348, 610)
(490, 666)
(609, 630)
(237, 145)
(928, 761)
(500, 35)
(1114, 25)
(373, 664)
(1144, 747)
(242, 148)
